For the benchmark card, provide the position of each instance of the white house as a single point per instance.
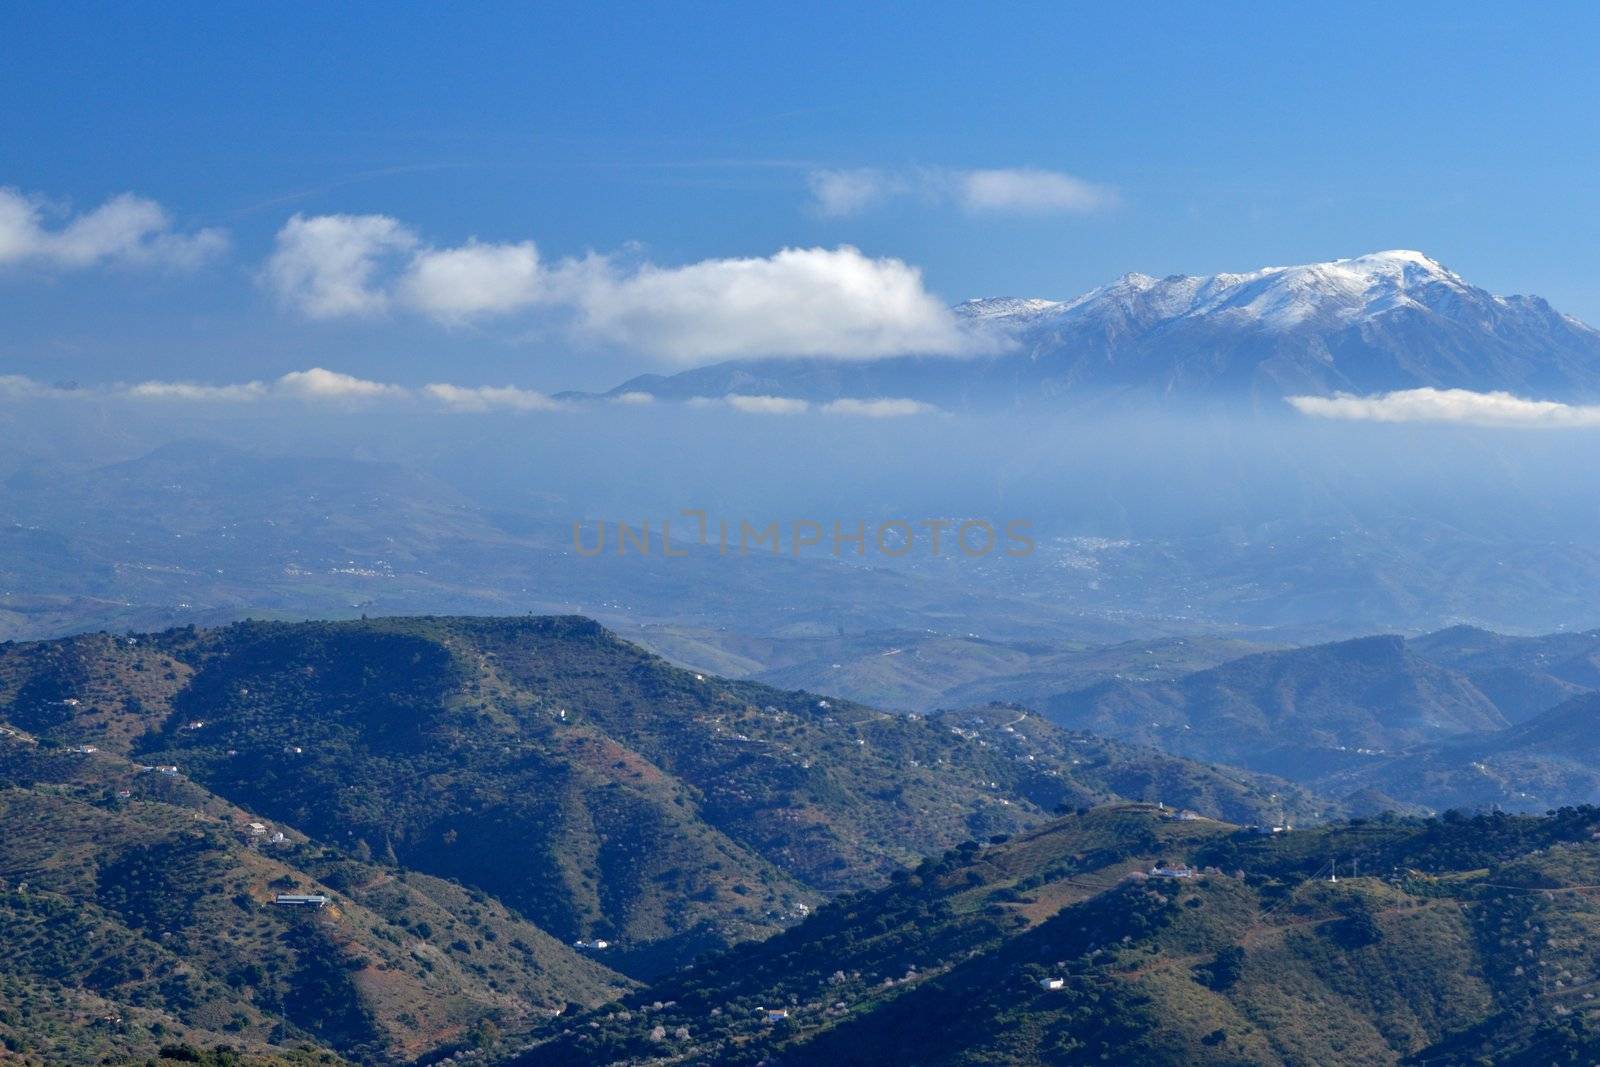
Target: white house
(1052, 983)
(301, 900)
(1183, 870)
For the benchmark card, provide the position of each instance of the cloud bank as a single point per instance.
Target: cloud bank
(1451, 406)
(315, 385)
(318, 385)
(126, 229)
(760, 404)
(490, 398)
(836, 303)
(879, 408)
(1023, 190)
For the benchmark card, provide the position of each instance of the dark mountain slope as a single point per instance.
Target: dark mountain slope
(599, 791)
(1571, 657)
(1546, 761)
(1522, 675)
(1299, 713)
(1471, 951)
(1090, 770)
(1520, 694)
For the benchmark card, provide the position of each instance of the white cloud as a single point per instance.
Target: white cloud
(1031, 191)
(878, 408)
(191, 391)
(18, 385)
(126, 229)
(328, 266)
(835, 303)
(1449, 405)
(325, 265)
(763, 404)
(1024, 190)
(766, 405)
(490, 398)
(320, 384)
(316, 385)
(475, 279)
(837, 193)
(313, 384)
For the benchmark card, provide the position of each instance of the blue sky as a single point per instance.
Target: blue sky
(1214, 137)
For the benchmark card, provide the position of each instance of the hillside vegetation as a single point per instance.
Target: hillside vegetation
(474, 796)
(1455, 941)
(138, 911)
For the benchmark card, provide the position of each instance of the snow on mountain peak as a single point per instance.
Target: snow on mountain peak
(1398, 257)
(1274, 298)
(1005, 307)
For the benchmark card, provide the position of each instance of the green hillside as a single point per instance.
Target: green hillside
(132, 921)
(1455, 941)
(474, 795)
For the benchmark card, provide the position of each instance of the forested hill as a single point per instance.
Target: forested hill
(475, 796)
(1123, 936)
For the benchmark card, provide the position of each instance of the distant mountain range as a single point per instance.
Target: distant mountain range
(909, 670)
(1384, 321)
(1457, 718)
(1460, 718)
(1299, 711)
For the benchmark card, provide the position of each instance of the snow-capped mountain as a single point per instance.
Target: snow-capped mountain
(1276, 298)
(1389, 320)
